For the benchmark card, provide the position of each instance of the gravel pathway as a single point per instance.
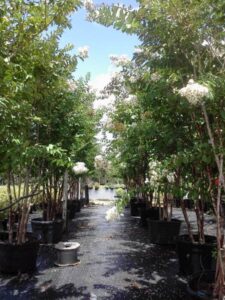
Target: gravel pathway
(117, 262)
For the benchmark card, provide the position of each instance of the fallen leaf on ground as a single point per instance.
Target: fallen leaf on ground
(135, 285)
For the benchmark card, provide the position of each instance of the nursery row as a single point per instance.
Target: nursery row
(21, 258)
(196, 258)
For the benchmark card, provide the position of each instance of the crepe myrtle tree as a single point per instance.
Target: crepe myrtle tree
(197, 95)
(127, 125)
(161, 181)
(79, 170)
(34, 100)
(180, 40)
(101, 166)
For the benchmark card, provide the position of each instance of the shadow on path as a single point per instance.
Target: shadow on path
(117, 262)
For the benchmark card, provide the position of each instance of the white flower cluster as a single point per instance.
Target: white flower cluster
(133, 79)
(100, 162)
(154, 177)
(112, 214)
(72, 85)
(154, 173)
(120, 61)
(194, 92)
(123, 165)
(138, 50)
(156, 55)
(108, 124)
(157, 173)
(170, 177)
(135, 75)
(216, 48)
(205, 43)
(155, 76)
(147, 180)
(130, 99)
(88, 4)
(80, 168)
(83, 52)
(117, 76)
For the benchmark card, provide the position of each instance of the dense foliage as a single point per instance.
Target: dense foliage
(47, 121)
(180, 134)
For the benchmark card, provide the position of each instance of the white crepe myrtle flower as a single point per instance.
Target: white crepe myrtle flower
(133, 79)
(133, 125)
(112, 214)
(100, 162)
(83, 52)
(130, 99)
(138, 50)
(147, 180)
(170, 177)
(153, 164)
(118, 155)
(154, 178)
(117, 76)
(80, 168)
(123, 165)
(88, 4)
(72, 85)
(135, 75)
(109, 123)
(205, 43)
(156, 55)
(194, 92)
(155, 76)
(99, 159)
(119, 60)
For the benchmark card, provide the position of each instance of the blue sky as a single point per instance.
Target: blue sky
(101, 41)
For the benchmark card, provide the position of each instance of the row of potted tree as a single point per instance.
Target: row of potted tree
(168, 116)
(47, 122)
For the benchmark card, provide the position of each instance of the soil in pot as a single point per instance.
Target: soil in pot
(200, 286)
(47, 232)
(163, 232)
(195, 257)
(18, 258)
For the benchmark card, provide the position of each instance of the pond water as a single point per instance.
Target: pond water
(101, 193)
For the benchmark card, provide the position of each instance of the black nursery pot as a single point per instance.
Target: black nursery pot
(3, 224)
(77, 204)
(71, 208)
(200, 286)
(177, 202)
(47, 232)
(163, 232)
(135, 205)
(18, 258)
(58, 230)
(188, 203)
(82, 202)
(195, 257)
(149, 213)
